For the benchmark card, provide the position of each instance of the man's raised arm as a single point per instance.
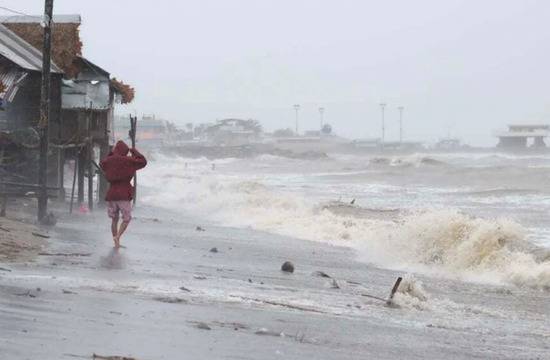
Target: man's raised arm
(138, 159)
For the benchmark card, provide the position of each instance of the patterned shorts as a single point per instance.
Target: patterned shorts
(120, 206)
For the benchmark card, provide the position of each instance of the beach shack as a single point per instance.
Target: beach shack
(20, 89)
(87, 99)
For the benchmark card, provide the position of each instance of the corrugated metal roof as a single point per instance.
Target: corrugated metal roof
(11, 79)
(21, 53)
(60, 19)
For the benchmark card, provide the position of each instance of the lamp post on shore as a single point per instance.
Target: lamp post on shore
(321, 113)
(382, 108)
(400, 108)
(296, 109)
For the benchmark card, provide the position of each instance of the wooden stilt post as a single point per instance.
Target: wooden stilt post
(133, 129)
(74, 183)
(61, 173)
(103, 184)
(89, 158)
(81, 164)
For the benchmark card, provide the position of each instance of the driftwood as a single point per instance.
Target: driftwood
(389, 300)
(64, 254)
(394, 290)
(290, 306)
(41, 235)
(103, 357)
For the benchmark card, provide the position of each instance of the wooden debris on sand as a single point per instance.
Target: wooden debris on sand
(41, 235)
(389, 300)
(111, 357)
(64, 254)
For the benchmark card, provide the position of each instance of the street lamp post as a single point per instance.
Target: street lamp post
(297, 108)
(382, 108)
(321, 113)
(400, 108)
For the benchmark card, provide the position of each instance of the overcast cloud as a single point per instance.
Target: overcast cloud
(459, 67)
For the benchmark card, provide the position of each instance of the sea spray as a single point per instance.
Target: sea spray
(442, 241)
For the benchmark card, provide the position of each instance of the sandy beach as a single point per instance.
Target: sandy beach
(168, 296)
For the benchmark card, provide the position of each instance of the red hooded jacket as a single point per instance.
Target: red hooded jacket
(119, 169)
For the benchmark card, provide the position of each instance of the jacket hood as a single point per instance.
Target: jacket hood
(121, 148)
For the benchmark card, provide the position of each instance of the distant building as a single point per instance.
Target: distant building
(372, 143)
(523, 136)
(151, 132)
(448, 144)
(234, 132)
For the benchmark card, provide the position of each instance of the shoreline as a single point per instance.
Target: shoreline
(167, 296)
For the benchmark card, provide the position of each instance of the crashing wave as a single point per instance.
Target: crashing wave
(443, 241)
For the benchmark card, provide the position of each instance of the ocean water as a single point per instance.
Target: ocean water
(475, 217)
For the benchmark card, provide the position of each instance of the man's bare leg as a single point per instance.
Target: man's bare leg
(123, 227)
(114, 231)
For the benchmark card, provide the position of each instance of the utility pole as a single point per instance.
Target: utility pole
(400, 108)
(321, 112)
(382, 107)
(45, 111)
(132, 133)
(297, 108)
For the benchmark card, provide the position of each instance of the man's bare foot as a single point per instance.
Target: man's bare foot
(117, 242)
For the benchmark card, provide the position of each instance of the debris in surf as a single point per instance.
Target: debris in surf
(290, 306)
(199, 228)
(267, 332)
(334, 284)
(199, 277)
(214, 250)
(321, 274)
(170, 300)
(389, 301)
(413, 289)
(183, 288)
(112, 357)
(287, 267)
(68, 292)
(40, 235)
(203, 326)
(352, 202)
(233, 325)
(4, 229)
(4, 269)
(27, 293)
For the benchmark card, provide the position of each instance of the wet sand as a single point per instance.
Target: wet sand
(20, 241)
(167, 296)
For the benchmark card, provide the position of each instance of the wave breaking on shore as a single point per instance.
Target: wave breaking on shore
(443, 242)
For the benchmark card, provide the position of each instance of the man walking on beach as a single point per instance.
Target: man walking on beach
(119, 169)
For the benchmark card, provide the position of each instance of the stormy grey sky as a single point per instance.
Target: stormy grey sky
(459, 67)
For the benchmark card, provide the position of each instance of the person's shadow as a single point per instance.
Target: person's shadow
(114, 260)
